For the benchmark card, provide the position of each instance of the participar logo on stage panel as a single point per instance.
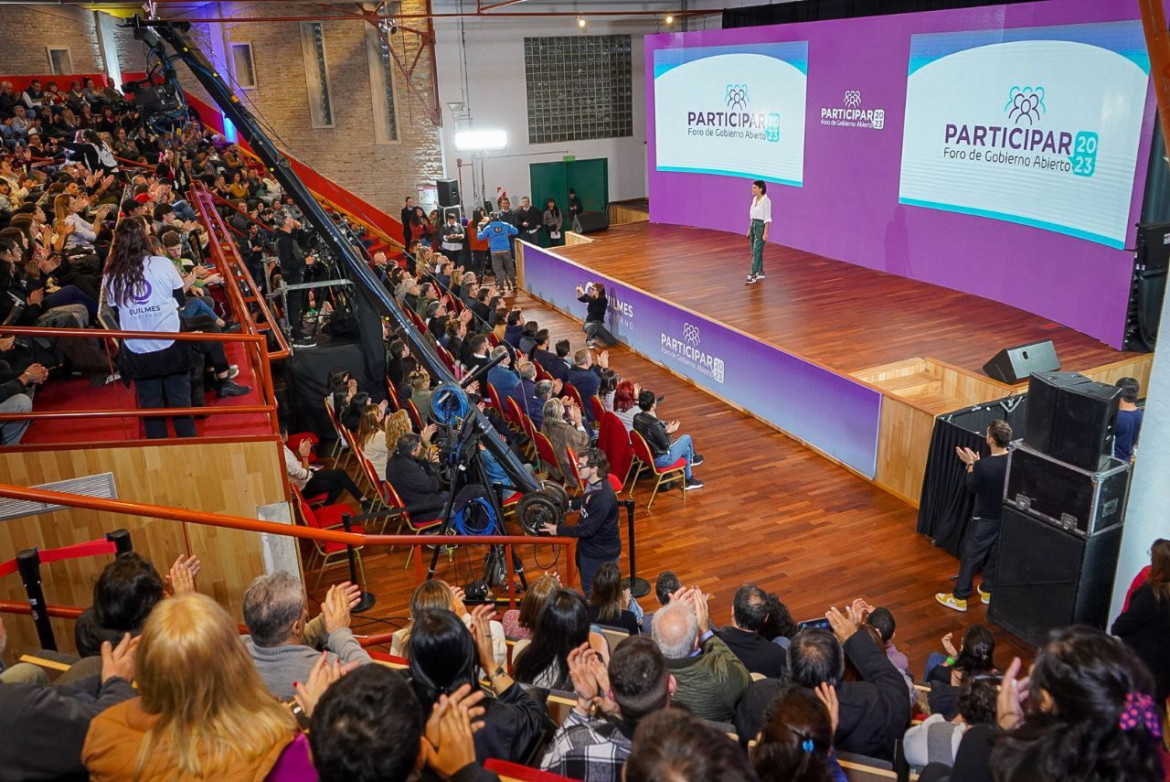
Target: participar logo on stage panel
(851, 114)
(687, 351)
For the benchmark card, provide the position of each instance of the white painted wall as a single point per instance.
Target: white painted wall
(488, 75)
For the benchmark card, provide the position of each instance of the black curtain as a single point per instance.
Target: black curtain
(945, 505)
(817, 10)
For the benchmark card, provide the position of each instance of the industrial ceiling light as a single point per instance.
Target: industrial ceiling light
(581, 22)
(480, 140)
(669, 19)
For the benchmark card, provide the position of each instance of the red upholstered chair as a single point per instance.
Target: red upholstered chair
(676, 471)
(415, 418)
(514, 772)
(573, 482)
(493, 340)
(392, 395)
(541, 374)
(614, 440)
(597, 407)
(335, 422)
(546, 453)
(494, 397)
(575, 395)
(328, 517)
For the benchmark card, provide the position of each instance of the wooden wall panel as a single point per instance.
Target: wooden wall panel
(903, 444)
(231, 478)
(623, 213)
(1137, 367)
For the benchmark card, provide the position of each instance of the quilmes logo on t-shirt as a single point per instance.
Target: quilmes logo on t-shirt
(1025, 142)
(738, 121)
(146, 289)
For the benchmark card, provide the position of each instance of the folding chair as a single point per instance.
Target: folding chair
(545, 452)
(597, 407)
(573, 483)
(662, 475)
(329, 517)
(415, 418)
(395, 504)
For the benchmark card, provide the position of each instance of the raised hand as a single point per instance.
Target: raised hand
(119, 660)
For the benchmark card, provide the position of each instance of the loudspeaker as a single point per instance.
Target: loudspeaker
(592, 222)
(448, 192)
(1086, 420)
(1012, 365)
(1043, 397)
(1047, 578)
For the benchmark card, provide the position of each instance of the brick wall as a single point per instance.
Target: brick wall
(346, 153)
(26, 31)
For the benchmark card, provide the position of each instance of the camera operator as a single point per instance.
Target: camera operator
(594, 298)
(293, 263)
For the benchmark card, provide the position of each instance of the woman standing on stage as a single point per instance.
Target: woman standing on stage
(761, 217)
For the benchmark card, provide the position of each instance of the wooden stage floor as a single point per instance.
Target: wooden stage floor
(841, 316)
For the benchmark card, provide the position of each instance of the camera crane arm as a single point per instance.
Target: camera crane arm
(160, 33)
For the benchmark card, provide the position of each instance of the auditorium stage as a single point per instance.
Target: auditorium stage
(842, 316)
(853, 362)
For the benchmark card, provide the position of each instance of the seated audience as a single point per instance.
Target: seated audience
(710, 678)
(415, 478)
(284, 644)
(882, 620)
(608, 600)
(445, 656)
(671, 744)
(936, 739)
(1144, 625)
(973, 657)
(368, 727)
(1087, 711)
(520, 623)
(44, 727)
(562, 424)
(749, 609)
(665, 585)
(312, 481)
(420, 394)
(503, 378)
(874, 711)
(585, 375)
(796, 742)
(657, 435)
(596, 736)
(435, 594)
(373, 434)
(124, 594)
(779, 626)
(202, 711)
(561, 627)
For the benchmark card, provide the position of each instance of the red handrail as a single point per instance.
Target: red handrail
(229, 255)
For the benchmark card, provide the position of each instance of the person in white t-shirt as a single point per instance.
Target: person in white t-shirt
(146, 290)
(761, 219)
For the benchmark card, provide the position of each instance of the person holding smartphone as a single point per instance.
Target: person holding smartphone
(592, 295)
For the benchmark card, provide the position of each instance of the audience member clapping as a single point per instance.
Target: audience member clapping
(796, 742)
(202, 712)
(284, 644)
(936, 739)
(674, 745)
(974, 656)
(445, 656)
(749, 611)
(610, 603)
(563, 626)
(711, 679)
(434, 595)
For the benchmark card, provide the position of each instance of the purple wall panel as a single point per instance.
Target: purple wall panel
(848, 207)
(834, 413)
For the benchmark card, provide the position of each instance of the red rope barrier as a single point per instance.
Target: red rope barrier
(91, 548)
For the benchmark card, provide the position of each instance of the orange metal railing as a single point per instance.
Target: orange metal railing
(242, 289)
(253, 343)
(415, 542)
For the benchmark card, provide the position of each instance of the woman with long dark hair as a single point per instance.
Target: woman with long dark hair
(444, 656)
(608, 600)
(1087, 712)
(561, 628)
(796, 741)
(1145, 623)
(147, 292)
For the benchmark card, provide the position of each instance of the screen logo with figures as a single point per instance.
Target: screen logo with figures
(685, 348)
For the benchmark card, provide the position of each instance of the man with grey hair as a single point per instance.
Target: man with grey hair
(711, 679)
(284, 643)
(541, 393)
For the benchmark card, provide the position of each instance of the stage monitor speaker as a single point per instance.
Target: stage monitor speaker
(1047, 578)
(1043, 399)
(448, 192)
(1013, 365)
(592, 222)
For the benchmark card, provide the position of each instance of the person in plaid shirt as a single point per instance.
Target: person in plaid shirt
(594, 741)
